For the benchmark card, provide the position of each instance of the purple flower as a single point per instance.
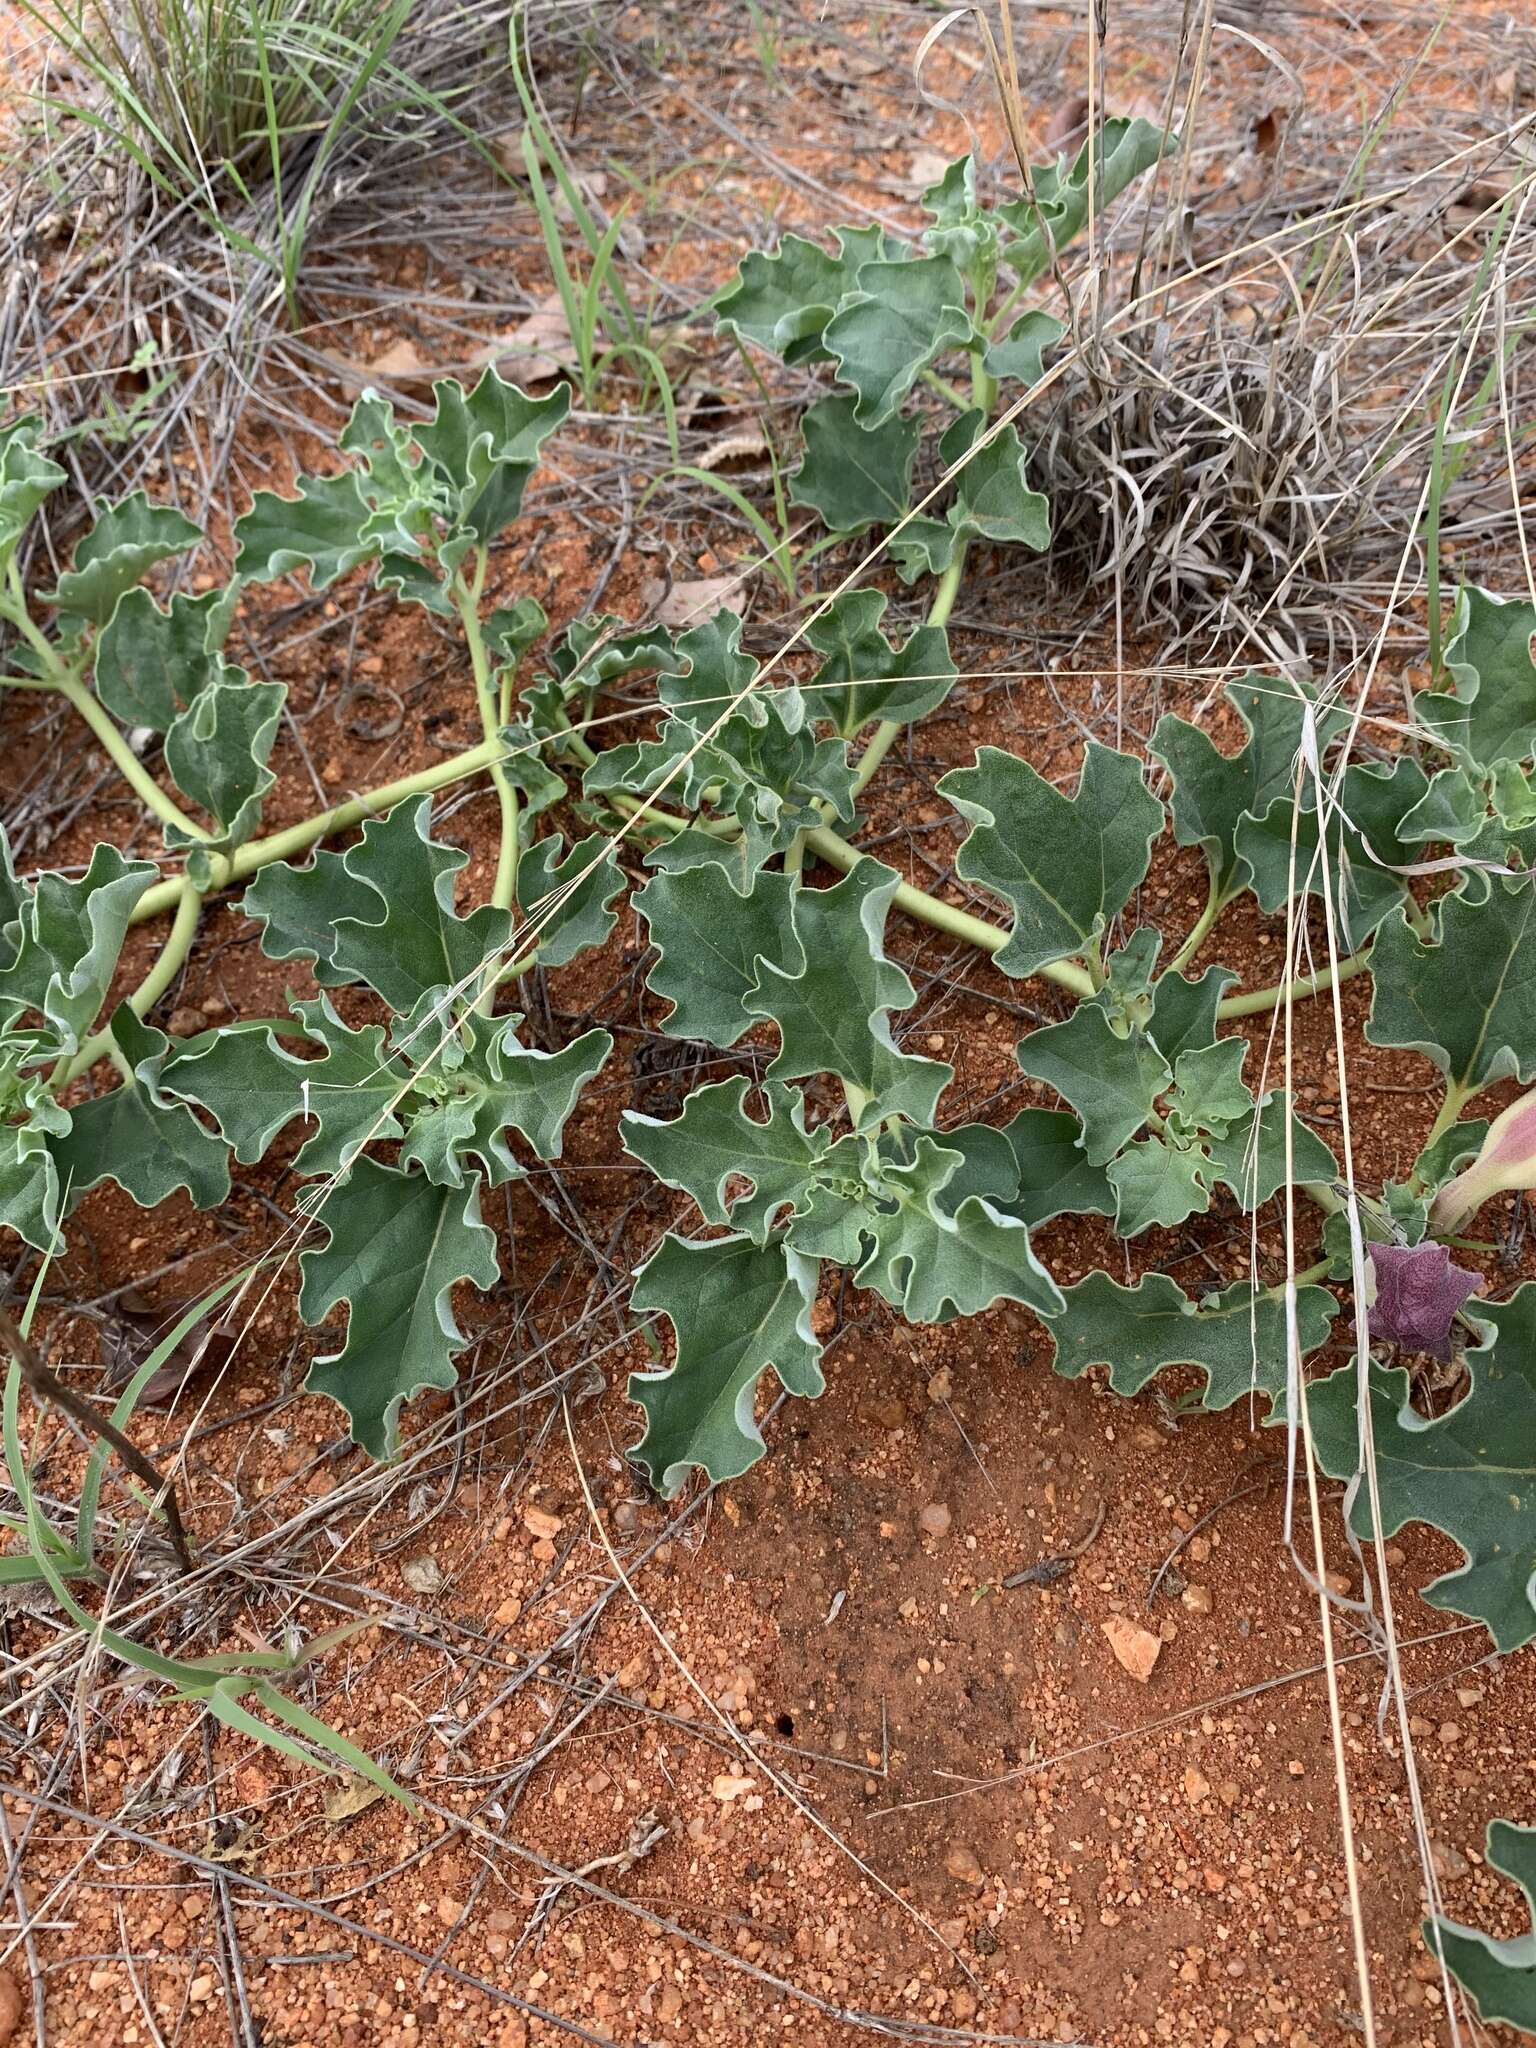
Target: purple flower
(1418, 1292)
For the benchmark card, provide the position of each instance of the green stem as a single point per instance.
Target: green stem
(124, 759)
(173, 955)
(959, 924)
(1215, 903)
(938, 615)
(1456, 1099)
(256, 854)
(1256, 1001)
(466, 597)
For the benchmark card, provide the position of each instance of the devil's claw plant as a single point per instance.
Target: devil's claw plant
(408, 1086)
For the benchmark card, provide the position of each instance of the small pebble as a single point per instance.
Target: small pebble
(935, 1519)
(962, 1864)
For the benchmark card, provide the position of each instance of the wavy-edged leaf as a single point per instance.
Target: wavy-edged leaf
(26, 478)
(993, 500)
(128, 538)
(1492, 716)
(934, 1264)
(901, 316)
(1112, 1082)
(1066, 865)
(322, 530)
(710, 936)
(1467, 999)
(581, 920)
(485, 445)
(1020, 352)
(832, 1009)
(396, 1248)
(391, 922)
(854, 476)
(783, 299)
(1056, 210)
(152, 663)
(1033, 1168)
(70, 933)
(1213, 791)
(863, 676)
(299, 909)
(1470, 1473)
(961, 229)
(737, 1309)
(1236, 1338)
(254, 1087)
(501, 1085)
(30, 1188)
(1498, 1976)
(1365, 845)
(714, 1140)
(138, 1137)
(219, 747)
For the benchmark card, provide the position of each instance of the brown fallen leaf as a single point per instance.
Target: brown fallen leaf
(539, 349)
(402, 362)
(686, 604)
(1136, 1649)
(352, 1796)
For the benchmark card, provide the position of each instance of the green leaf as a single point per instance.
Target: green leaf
(1255, 1172)
(854, 476)
(1112, 1082)
(1492, 716)
(934, 1265)
(26, 478)
(254, 1087)
(901, 316)
(1467, 1000)
(1213, 792)
(1365, 843)
(485, 445)
(151, 664)
(1470, 1473)
(30, 1189)
(714, 1139)
(219, 747)
(585, 917)
(139, 1138)
(737, 1309)
(713, 673)
(783, 300)
(321, 530)
(396, 1248)
(128, 538)
(864, 677)
(1236, 1338)
(1057, 210)
(710, 936)
(1184, 1011)
(1066, 865)
(832, 1007)
(411, 939)
(993, 500)
(1020, 353)
(300, 908)
(1498, 1976)
(1033, 1168)
(502, 1085)
(961, 230)
(1157, 1185)
(71, 931)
